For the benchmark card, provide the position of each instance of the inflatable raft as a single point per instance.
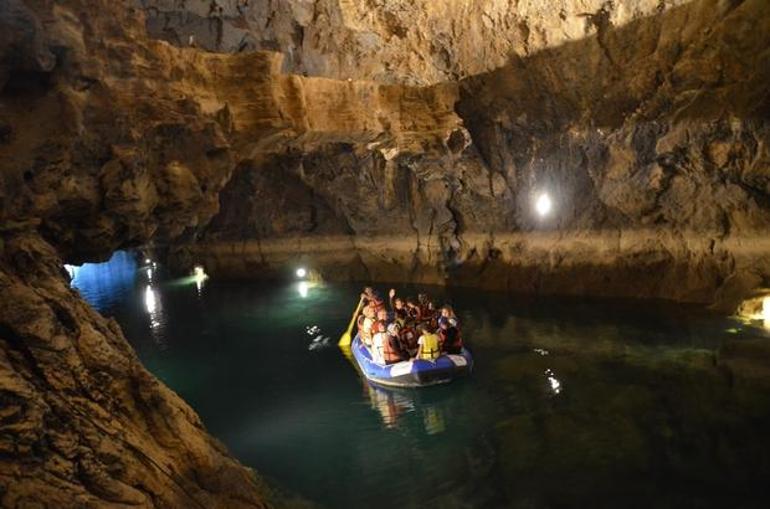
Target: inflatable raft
(412, 373)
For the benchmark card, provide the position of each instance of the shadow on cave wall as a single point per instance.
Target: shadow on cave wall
(659, 123)
(662, 122)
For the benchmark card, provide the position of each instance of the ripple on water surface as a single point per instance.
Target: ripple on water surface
(574, 403)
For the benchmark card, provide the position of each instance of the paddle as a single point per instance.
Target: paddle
(345, 339)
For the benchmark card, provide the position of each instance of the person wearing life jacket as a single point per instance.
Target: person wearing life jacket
(371, 297)
(449, 336)
(426, 305)
(398, 308)
(391, 353)
(413, 310)
(365, 323)
(428, 345)
(427, 310)
(408, 339)
(448, 313)
(379, 341)
(381, 317)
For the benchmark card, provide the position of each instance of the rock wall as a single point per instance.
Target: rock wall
(650, 138)
(110, 139)
(82, 423)
(415, 42)
(100, 147)
(647, 126)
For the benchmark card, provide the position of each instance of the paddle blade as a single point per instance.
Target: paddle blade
(345, 339)
(348, 354)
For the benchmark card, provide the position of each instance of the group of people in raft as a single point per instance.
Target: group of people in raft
(407, 329)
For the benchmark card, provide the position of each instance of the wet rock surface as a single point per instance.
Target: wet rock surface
(650, 140)
(82, 423)
(647, 126)
(412, 42)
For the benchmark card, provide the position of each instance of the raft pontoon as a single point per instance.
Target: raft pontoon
(412, 373)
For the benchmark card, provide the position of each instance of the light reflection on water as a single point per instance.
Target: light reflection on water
(610, 401)
(105, 284)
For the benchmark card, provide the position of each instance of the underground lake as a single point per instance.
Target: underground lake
(572, 402)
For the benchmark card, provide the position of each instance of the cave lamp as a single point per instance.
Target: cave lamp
(543, 204)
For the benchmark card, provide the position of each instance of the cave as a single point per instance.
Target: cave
(194, 193)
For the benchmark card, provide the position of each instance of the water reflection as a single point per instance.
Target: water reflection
(319, 339)
(105, 284)
(553, 382)
(612, 404)
(154, 308)
(394, 404)
(151, 303)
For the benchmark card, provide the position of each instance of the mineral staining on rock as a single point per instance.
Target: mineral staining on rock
(651, 141)
(82, 423)
(385, 140)
(414, 42)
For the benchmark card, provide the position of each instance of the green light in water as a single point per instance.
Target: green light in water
(200, 276)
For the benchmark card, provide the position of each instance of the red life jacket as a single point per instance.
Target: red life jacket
(389, 351)
(377, 303)
(376, 328)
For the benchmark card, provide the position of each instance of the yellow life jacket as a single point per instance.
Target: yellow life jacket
(430, 347)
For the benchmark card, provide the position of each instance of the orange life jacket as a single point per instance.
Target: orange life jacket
(376, 303)
(389, 352)
(376, 328)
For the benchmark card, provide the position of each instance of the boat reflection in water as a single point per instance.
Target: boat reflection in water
(395, 404)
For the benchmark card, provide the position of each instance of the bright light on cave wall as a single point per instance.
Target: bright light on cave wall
(543, 204)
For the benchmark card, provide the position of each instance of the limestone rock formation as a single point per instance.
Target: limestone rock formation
(416, 42)
(96, 153)
(82, 423)
(651, 141)
(413, 149)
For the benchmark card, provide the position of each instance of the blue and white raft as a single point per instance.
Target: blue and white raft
(412, 373)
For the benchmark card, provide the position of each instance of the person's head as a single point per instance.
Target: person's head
(422, 298)
(382, 325)
(382, 314)
(424, 329)
(369, 311)
(447, 312)
(398, 302)
(394, 329)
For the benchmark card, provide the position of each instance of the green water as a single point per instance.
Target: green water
(573, 403)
